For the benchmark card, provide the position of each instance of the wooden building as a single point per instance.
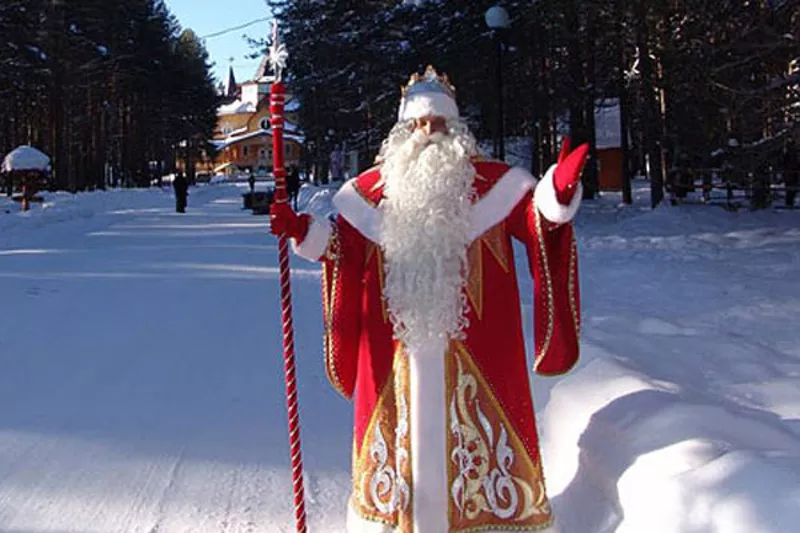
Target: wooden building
(243, 137)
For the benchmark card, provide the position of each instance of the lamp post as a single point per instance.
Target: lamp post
(498, 22)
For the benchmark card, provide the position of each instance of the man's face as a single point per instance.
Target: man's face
(430, 124)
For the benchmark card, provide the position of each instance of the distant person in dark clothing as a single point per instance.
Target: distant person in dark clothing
(791, 172)
(181, 188)
(251, 180)
(293, 185)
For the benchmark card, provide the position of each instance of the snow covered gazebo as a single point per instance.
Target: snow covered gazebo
(25, 168)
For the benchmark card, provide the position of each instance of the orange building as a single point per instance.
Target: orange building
(243, 137)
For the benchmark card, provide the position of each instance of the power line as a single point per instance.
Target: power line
(229, 30)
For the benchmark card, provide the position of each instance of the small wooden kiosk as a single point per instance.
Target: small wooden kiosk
(27, 170)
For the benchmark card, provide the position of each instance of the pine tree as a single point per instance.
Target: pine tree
(97, 85)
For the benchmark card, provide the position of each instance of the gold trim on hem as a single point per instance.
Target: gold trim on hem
(548, 288)
(328, 304)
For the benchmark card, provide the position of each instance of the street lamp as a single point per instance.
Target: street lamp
(498, 22)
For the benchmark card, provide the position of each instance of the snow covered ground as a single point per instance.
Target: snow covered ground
(141, 383)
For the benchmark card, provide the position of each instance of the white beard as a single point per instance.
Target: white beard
(425, 231)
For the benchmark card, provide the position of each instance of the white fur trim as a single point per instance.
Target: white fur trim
(427, 104)
(428, 421)
(316, 241)
(362, 216)
(488, 211)
(545, 200)
(500, 200)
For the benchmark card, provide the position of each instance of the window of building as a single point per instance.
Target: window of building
(244, 151)
(264, 123)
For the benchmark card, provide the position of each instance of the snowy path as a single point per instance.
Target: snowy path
(141, 380)
(141, 387)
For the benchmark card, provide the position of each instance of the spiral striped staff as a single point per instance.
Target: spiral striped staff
(277, 58)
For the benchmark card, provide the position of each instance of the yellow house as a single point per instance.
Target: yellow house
(243, 138)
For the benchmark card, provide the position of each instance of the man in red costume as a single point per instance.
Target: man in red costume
(423, 326)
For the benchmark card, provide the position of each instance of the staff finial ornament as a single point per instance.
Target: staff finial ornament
(277, 53)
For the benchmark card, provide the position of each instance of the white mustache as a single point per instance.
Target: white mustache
(420, 139)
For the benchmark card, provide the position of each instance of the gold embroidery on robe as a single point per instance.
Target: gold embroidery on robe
(494, 482)
(382, 467)
(573, 305)
(548, 288)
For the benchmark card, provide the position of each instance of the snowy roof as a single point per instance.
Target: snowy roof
(240, 106)
(25, 158)
(235, 107)
(607, 124)
(291, 127)
(292, 105)
(237, 131)
(229, 141)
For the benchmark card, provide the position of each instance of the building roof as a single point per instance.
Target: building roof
(236, 107)
(230, 86)
(608, 133)
(220, 144)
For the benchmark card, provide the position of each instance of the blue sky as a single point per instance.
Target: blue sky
(206, 17)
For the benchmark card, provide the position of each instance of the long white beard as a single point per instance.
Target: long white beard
(425, 231)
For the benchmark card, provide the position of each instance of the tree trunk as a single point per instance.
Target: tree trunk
(651, 123)
(627, 196)
(591, 172)
(577, 113)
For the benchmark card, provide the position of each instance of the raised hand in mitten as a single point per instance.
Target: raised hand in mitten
(284, 221)
(568, 171)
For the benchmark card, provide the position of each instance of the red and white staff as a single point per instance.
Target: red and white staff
(277, 98)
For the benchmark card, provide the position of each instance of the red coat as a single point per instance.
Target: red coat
(482, 406)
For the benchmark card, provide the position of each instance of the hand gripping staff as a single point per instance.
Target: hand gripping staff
(277, 98)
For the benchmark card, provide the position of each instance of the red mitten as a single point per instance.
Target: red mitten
(284, 221)
(568, 171)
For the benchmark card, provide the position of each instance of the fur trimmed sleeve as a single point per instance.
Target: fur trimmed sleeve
(342, 274)
(553, 263)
